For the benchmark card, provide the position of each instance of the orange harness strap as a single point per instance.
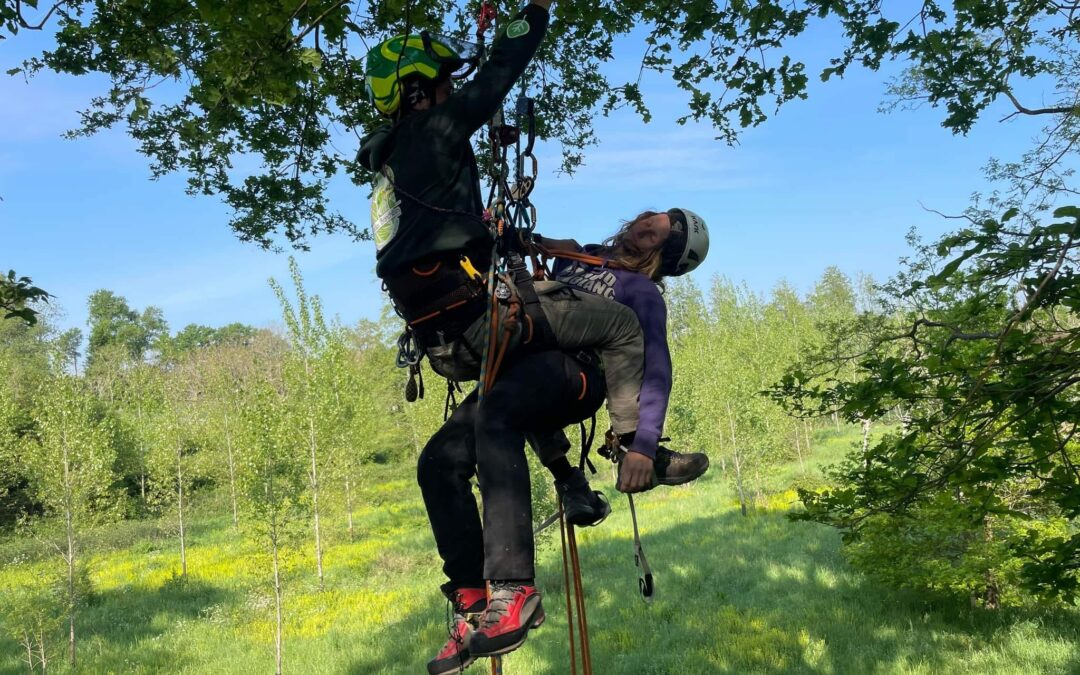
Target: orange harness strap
(585, 258)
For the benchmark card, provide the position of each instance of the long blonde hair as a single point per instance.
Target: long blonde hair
(634, 261)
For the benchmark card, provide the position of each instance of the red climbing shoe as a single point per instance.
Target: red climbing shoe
(511, 612)
(455, 656)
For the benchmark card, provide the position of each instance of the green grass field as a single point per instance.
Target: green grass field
(757, 594)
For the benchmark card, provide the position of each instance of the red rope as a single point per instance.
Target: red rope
(579, 594)
(566, 587)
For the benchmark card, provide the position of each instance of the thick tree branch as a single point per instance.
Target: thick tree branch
(1021, 110)
(23, 22)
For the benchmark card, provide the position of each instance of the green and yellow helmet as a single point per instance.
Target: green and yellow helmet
(390, 62)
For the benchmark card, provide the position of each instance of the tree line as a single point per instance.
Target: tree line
(965, 363)
(273, 424)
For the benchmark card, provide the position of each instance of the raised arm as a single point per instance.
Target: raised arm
(470, 107)
(558, 244)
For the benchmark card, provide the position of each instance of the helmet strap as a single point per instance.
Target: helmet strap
(414, 92)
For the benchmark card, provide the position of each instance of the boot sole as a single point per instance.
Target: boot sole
(456, 667)
(594, 523)
(536, 622)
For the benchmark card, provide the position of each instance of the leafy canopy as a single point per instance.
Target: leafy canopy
(250, 99)
(980, 355)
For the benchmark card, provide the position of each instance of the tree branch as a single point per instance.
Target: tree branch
(1020, 109)
(39, 26)
(314, 24)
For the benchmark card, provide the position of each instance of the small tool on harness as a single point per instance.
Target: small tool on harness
(413, 391)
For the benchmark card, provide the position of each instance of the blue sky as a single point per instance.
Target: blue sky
(828, 181)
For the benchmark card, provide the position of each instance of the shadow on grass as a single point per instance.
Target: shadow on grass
(747, 595)
(121, 628)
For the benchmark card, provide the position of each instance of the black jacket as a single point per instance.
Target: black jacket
(430, 160)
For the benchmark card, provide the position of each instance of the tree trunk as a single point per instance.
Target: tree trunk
(278, 622)
(736, 460)
(798, 450)
(232, 470)
(315, 496)
(69, 528)
(836, 421)
(806, 433)
(278, 608)
(142, 457)
(415, 439)
(28, 642)
(43, 658)
(348, 504)
(866, 442)
(992, 591)
(739, 483)
(180, 511)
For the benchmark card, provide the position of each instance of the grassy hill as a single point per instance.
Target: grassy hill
(756, 594)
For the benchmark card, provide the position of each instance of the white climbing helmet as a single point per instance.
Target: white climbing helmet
(687, 245)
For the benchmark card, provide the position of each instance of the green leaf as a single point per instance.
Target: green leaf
(311, 57)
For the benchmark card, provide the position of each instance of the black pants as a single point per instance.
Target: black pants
(538, 392)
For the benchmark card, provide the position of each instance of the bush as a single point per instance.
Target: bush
(938, 547)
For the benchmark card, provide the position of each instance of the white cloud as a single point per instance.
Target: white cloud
(687, 159)
(212, 280)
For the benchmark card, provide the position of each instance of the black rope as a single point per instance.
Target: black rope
(451, 399)
(586, 444)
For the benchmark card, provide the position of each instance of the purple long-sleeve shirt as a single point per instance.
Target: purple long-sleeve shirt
(640, 294)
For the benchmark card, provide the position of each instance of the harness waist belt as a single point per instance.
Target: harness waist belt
(438, 296)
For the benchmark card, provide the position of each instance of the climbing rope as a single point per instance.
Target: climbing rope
(575, 612)
(570, 550)
(512, 219)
